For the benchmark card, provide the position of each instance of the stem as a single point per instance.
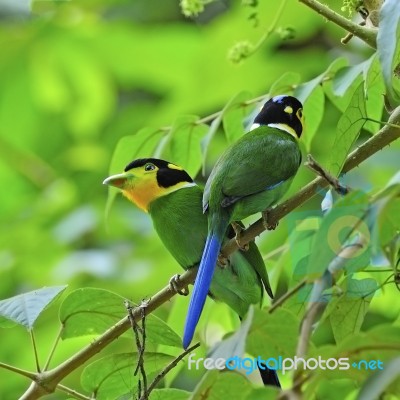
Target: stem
(287, 295)
(35, 350)
(368, 35)
(73, 393)
(53, 349)
(19, 371)
(268, 33)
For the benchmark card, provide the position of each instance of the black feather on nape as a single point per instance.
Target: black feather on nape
(167, 177)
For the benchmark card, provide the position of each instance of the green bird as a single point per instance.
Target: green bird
(174, 202)
(249, 177)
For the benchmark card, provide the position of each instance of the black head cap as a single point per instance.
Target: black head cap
(285, 110)
(168, 174)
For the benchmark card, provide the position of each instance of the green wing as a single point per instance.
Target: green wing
(260, 160)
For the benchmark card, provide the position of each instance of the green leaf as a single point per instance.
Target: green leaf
(230, 129)
(336, 229)
(216, 386)
(91, 311)
(314, 111)
(346, 76)
(273, 335)
(112, 376)
(303, 91)
(185, 143)
(235, 344)
(347, 312)
(349, 127)
(374, 87)
(128, 148)
(25, 308)
(169, 394)
(233, 115)
(388, 47)
(376, 384)
(385, 220)
(285, 84)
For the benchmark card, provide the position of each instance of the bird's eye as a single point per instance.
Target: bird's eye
(300, 113)
(149, 167)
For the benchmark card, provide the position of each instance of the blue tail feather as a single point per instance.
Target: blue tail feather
(201, 286)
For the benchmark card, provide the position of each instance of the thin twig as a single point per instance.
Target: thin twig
(287, 295)
(53, 349)
(23, 372)
(168, 368)
(323, 173)
(72, 392)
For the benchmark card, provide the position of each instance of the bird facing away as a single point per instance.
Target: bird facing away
(174, 202)
(250, 177)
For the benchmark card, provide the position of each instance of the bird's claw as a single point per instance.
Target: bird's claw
(238, 233)
(266, 223)
(222, 261)
(174, 286)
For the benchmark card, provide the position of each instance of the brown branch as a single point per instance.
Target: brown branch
(381, 139)
(368, 35)
(46, 382)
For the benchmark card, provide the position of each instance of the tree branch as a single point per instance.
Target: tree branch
(368, 35)
(46, 382)
(381, 139)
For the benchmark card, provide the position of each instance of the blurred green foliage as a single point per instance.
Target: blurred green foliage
(85, 87)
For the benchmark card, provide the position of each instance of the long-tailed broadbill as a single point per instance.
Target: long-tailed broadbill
(174, 202)
(250, 176)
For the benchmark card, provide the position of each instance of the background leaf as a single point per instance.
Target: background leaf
(24, 309)
(388, 47)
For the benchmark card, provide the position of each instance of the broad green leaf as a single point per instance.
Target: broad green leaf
(128, 148)
(388, 47)
(233, 115)
(235, 344)
(241, 97)
(374, 87)
(303, 91)
(185, 143)
(24, 309)
(336, 229)
(273, 335)
(349, 127)
(385, 220)
(334, 389)
(285, 84)
(313, 111)
(205, 143)
(379, 344)
(216, 385)
(347, 312)
(346, 76)
(112, 376)
(265, 393)
(169, 394)
(376, 384)
(91, 311)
